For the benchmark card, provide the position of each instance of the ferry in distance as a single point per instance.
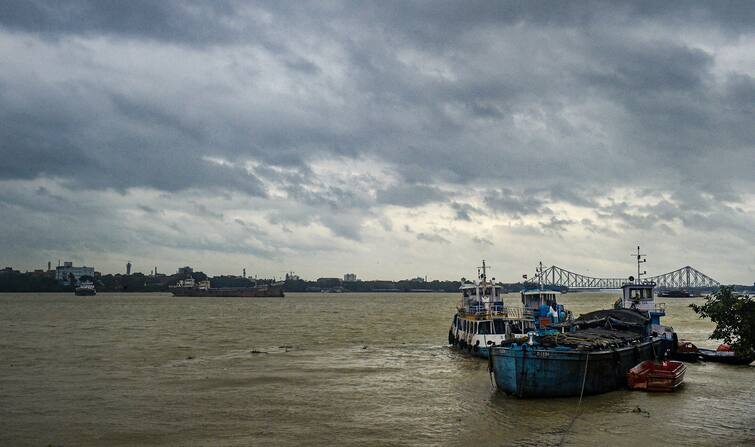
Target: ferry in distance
(86, 288)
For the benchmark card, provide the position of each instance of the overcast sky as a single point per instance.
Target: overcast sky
(388, 139)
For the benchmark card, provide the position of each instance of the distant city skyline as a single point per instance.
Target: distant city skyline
(389, 140)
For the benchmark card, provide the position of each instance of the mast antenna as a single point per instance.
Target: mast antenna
(641, 258)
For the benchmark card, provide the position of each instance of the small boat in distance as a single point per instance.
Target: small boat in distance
(190, 287)
(675, 294)
(86, 288)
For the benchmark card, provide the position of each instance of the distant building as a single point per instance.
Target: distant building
(128, 268)
(8, 271)
(350, 277)
(185, 270)
(328, 282)
(64, 272)
(419, 279)
(292, 277)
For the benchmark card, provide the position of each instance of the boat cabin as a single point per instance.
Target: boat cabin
(536, 298)
(638, 296)
(477, 297)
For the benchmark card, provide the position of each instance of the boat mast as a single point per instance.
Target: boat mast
(640, 259)
(540, 275)
(484, 277)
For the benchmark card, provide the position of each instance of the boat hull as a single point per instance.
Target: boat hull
(651, 376)
(728, 357)
(232, 292)
(85, 292)
(526, 371)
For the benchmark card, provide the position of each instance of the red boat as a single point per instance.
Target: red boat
(651, 376)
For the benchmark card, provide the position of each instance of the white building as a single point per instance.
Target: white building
(64, 272)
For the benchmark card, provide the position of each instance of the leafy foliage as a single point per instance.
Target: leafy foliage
(734, 317)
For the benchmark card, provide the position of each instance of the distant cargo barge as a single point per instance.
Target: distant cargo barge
(188, 287)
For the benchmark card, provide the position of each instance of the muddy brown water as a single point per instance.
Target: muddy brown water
(318, 370)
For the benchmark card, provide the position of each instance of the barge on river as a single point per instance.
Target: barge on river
(189, 287)
(592, 354)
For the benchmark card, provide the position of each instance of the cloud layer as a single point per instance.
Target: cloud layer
(391, 139)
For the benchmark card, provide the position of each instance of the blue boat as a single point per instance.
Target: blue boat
(589, 355)
(528, 369)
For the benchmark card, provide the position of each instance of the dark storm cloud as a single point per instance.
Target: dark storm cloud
(396, 111)
(179, 21)
(524, 103)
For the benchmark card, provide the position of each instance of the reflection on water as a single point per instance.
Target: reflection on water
(315, 369)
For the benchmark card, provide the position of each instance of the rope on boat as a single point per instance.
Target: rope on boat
(584, 379)
(579, 404)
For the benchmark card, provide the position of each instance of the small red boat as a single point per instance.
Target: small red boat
(651, 376)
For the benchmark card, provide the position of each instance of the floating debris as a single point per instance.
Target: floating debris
(642, 412)
(190, 358)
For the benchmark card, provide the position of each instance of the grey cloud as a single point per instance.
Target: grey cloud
(533, 103)
(464, 211)
(409, 195)
(556, 225)
(482, 241)
(434, 238)
(514, 204)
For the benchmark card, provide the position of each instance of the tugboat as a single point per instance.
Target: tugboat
(86, 288)
(590, 355)
(482, 321)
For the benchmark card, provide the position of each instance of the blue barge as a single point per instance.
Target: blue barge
(589, 355)
(526, 370)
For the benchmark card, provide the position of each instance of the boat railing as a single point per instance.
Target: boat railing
(510, 313)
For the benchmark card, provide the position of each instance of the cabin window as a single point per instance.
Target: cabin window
(483, 327)
(499, 326)
(531, 301)
(641, 294)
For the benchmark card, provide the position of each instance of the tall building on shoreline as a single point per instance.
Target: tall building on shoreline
(67, 270)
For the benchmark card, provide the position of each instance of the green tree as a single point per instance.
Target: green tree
(734, 316)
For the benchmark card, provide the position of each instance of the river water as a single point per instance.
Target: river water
(317, 370)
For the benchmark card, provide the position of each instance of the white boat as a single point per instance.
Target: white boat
(482, 320)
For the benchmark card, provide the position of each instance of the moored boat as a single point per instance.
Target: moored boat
(724, 354)
(588, 361)
(666, 375)
(482, 320)
(591, 354)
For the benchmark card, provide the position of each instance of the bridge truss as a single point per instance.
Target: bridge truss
(683, 278)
